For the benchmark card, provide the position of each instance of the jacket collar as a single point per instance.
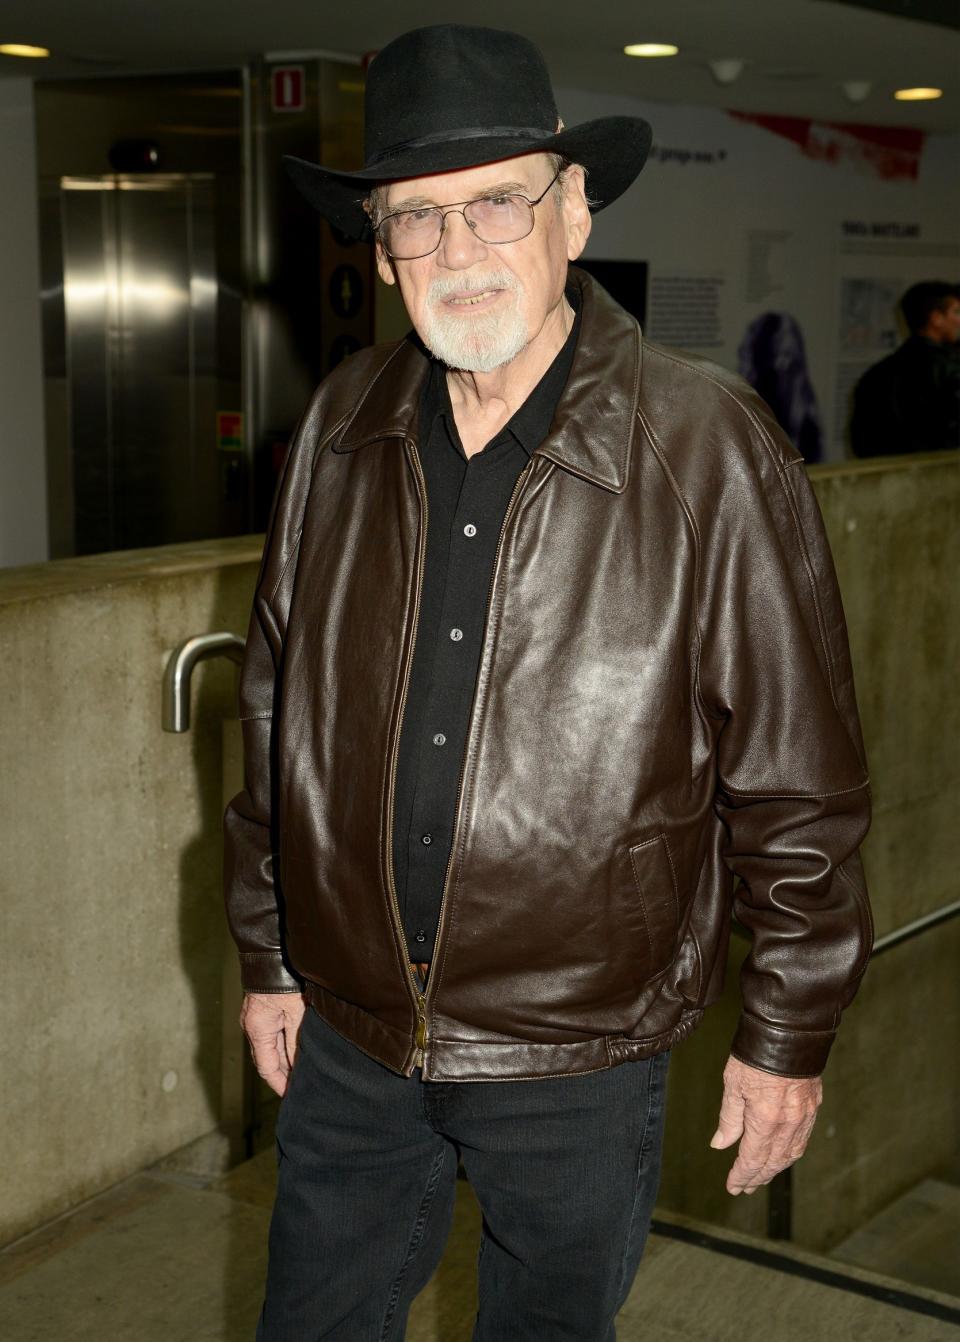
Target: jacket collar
(595, 420)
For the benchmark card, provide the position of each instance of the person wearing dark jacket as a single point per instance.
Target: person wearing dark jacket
(546, 649)
(910, 401)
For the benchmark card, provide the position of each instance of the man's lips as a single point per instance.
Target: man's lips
(474, 298)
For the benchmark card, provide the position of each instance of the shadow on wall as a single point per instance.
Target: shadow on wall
(246, 1107)
(206, 953)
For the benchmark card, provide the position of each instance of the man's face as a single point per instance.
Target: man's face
(477, 305)
(947, 323)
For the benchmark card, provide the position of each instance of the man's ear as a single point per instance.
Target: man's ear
(385, 267)
(576, 212)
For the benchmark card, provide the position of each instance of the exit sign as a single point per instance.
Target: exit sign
(287, 88)
(229, 431)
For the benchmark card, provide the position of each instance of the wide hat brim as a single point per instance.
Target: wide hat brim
(613, 150)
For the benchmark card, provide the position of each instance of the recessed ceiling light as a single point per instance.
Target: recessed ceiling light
(21, 49)
(651, 49)
(917, 95)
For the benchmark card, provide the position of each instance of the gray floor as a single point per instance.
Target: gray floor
(173, 1256)
(917, 1238)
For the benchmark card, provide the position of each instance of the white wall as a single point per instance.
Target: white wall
(760, 224)
(23, 491)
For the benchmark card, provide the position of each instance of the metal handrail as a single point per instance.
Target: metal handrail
(179, 669)
(780, 1197)
(921, 924)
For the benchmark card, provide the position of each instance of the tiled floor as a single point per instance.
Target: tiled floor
(169, 1256)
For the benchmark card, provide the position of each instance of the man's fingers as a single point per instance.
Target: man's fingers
(271, 1022)
(773, 1117)
(765, 1151)
(270, 1058)
(730, 1125)
(291, 1042)
(757, 1165)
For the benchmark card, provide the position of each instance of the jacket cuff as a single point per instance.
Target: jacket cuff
(265, 972)
(785, 1052)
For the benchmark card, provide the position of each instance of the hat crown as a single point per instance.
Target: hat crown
(452, 77)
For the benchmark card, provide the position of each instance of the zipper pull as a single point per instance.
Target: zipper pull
(420, 1039)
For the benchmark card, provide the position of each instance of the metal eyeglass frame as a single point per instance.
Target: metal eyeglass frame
(458, 207)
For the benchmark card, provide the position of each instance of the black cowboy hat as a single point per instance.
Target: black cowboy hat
(452, 96)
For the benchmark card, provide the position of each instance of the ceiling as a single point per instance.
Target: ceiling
(797, 53)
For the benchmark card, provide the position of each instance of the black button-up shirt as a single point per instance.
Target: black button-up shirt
(467, 499)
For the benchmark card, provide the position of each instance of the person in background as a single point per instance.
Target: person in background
(546, 646)
(910, 401)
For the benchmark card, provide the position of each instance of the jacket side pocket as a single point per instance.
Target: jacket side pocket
(656, 882)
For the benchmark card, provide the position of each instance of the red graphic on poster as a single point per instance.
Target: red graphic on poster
(287, 88)
(891, 152)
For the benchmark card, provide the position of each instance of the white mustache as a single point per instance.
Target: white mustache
(442, 287)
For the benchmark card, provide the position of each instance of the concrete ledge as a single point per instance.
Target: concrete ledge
(62, 577)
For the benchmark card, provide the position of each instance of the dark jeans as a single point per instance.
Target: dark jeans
(565, 1170)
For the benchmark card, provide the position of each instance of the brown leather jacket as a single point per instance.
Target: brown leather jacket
(664, 700)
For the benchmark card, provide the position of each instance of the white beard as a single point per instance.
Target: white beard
(479, 343)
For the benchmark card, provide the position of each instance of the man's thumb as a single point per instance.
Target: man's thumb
(730, 1126)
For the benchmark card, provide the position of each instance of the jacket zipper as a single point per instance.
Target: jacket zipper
(418, 999)
(423, 1035)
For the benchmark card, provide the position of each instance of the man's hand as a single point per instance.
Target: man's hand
(271, 1022)
(773, 1116)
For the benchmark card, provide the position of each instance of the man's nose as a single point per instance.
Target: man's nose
(459, 247)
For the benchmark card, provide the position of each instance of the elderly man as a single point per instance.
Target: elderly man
(546, 649)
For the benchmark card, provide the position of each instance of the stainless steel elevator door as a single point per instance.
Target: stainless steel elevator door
(140, 302)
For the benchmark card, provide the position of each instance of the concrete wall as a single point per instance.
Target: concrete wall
(23, 478)
(892, 1109)
(112, 935)
(891, 1112)
(112, 925)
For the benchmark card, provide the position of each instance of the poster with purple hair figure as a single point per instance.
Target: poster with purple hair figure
(773, 360)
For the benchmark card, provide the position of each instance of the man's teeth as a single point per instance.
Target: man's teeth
(475, 298)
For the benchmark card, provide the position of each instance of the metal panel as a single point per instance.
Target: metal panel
(140, 297)
(143, 292)
(158, 286)
(89, 299)
(163, 344)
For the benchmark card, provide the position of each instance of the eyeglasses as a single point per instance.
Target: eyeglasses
(407, 235)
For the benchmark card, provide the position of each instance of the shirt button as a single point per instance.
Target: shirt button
(421, 935)
(469, 529)
(456, 635)
(439, 739)
(427, 838)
